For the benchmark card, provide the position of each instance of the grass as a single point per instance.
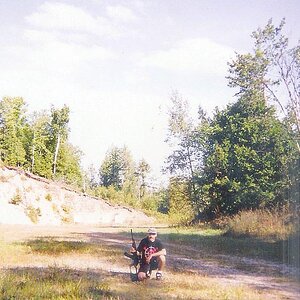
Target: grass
(52, 247)
(56, 283)
(207, 242)
(31, 271)
(53, 283)
(276, 224)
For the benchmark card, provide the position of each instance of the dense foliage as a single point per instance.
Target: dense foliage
(245, 156)
(38, 142)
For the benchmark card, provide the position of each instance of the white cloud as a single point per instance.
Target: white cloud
(59, 16)
(198, 54)
(54, 15)
(121, 14)
(50, 53)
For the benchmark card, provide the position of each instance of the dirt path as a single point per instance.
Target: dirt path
(276, 280)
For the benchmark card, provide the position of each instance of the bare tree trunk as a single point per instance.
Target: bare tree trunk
(33, 150)
(56, 154)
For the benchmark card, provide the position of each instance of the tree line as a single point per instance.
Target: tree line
(245, 156)
(38, 142)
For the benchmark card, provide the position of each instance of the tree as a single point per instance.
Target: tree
(38, 139)
(273, 70)
(12, 120)
(245, 162)
(117, 168)
(142, 170)
(68, 164)
(59, 129)
(180, 208)
(187, 142)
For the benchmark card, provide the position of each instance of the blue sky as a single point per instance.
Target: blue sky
(115, 63)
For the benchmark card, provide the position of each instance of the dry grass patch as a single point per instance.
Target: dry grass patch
(277, 224)
(12, 253)
(182, 286)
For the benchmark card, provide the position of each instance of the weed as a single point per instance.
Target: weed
(33, 213)
(48, 197)
(67, 219)
(52, 283)
(16, 199)
(274, 224)
(66, 209)
(55, 208)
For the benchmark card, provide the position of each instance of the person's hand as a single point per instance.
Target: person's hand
(148, 258)
(132, 250)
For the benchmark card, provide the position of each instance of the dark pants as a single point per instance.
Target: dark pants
(145, 268)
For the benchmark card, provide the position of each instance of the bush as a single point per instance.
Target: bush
(275, 224)
(33, 213)
(16, 199)
(48, 197)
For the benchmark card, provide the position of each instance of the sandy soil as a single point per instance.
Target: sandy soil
(278, 281)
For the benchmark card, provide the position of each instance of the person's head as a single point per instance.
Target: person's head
(152, 234)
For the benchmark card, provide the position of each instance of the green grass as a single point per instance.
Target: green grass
(209, 242)
(52, 247)
(53, 283)
(57, 283)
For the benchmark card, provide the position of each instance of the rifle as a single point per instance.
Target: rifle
(134, 256)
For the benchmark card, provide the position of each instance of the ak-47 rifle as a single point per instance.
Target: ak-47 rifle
(134, 256)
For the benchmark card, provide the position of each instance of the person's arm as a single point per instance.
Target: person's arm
(138, 250)
(158, 253)
(161, 252)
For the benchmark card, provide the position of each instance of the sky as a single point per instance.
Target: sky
(116, 63)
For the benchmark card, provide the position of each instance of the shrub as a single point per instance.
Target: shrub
(55, 208)
(16, 199)
(66, 209)
(275, 224)
(33, 213)
(48, 197)
(67, 219)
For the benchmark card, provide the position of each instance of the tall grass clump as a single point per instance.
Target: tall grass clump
(275, 224)
(52, 283)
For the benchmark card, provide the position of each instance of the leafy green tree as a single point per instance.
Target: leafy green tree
(68, 164)
(12, 120)
(246, 158)
(128, 175)
(273, 69)
(180, 209)
(39, 156)
(117, 168)
(142, 170)
(186, 139)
